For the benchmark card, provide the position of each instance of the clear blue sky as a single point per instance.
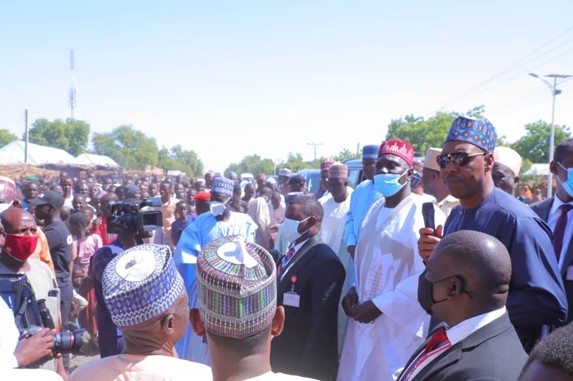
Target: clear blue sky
(233, 78)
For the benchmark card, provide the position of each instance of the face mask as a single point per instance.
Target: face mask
(568, 183)
(217, 208)
(290, 229)
(20, 247)
(425, 293)
(388, 184)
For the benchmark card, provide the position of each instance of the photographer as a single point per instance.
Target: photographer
(129, 234)
(20, 241)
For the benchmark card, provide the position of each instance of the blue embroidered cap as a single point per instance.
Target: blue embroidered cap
(140, 284)
(370, 151)
(223, 185)
(479, 132)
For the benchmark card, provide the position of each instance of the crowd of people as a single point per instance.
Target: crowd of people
(436, 269)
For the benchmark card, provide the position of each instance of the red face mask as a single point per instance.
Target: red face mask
(20, 247)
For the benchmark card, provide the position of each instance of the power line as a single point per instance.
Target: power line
(509, 68)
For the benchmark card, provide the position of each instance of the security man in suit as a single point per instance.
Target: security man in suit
(309, 283)
(557, 211)
(465, 284)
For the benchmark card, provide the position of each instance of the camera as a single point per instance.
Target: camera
(133, 216)
(64, 342)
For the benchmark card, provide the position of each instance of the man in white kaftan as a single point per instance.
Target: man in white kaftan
(194, 238)
(335, 205)
(387, 265)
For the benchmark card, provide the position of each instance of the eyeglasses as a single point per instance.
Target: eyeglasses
(458, 158)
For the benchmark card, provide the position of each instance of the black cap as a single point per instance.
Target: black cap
(49, 197)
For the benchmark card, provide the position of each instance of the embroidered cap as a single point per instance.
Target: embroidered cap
(223, 185)
(8, 192)
(338, 171)
(237, 289)
(370, 151)
(140, 284)
(398, 148)
(509, 158)
(479, 132)
(325, 165)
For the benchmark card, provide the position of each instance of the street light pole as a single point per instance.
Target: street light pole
(554, 92)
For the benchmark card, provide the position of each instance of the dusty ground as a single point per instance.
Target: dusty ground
(88, 352)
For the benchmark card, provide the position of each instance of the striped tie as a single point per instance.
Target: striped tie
(438, 342)
(284, 261)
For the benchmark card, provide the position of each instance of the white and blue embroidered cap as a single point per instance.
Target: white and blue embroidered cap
(140, 284)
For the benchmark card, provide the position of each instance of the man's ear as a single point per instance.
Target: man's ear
(168, 323)
(553, 167)
(278, 321)
(196, 322)
(489, 160)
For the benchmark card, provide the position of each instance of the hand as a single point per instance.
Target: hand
(349, 302)
(351, 250)
(34, 349)
(366, 312)
(428, 241)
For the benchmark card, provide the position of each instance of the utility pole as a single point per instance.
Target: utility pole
(554, 92)
(314, 144)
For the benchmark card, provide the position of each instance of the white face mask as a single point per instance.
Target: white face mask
(218, 208)
(290, 229)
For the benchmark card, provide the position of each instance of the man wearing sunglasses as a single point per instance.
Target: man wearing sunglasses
(536, 295)
(558, 212)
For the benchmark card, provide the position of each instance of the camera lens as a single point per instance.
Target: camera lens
(67, 342)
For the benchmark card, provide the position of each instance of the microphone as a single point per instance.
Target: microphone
(428, 213)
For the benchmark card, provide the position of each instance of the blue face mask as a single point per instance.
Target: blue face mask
(568, 183)
(388, 184)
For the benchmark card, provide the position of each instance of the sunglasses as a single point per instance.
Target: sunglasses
(458, 158)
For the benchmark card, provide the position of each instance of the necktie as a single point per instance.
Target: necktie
(560, 229)
(284, 261)
(438, 342)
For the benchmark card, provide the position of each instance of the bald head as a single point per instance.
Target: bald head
(14, 219)
(480, 258)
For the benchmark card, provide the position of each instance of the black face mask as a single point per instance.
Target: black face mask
(426, 291)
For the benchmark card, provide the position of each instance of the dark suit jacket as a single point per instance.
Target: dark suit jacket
(542, 209)
(493, 352)
(308, 345)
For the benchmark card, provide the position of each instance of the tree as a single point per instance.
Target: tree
(71, 135)
(535, 144)
(345, 155)
(130, 148)
(253, 164)
(6, 137)
(178, 158)
(423, 134)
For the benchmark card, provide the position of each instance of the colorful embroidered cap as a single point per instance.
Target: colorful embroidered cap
(141, 283)
(325, 165)
(338, 171)
(237, 289)
(509, 158)
(398, 148)
(479, 132)
(430, 159)
(223, 185)
(370, 151)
